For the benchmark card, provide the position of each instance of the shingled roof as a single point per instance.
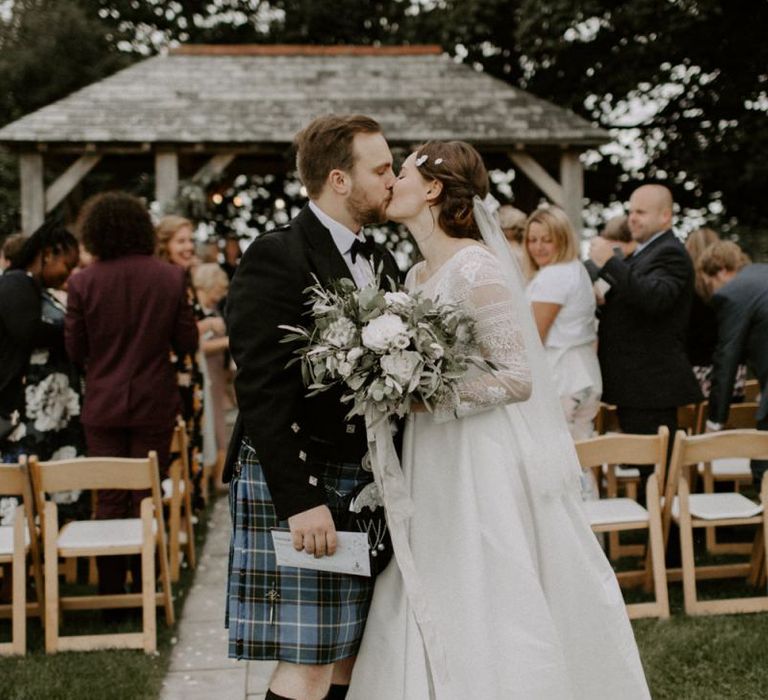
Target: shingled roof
(241, 95)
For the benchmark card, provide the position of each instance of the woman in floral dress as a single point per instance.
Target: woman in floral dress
(40, 389)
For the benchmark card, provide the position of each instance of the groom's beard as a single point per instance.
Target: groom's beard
(365, 212)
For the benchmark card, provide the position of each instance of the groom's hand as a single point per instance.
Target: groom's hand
(313, 531)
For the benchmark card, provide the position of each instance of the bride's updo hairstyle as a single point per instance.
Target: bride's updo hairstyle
(460, 169)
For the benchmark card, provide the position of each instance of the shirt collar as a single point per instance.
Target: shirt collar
(641, 246)
(342, 236)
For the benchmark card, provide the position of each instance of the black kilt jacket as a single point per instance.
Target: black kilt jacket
(642, 332)
(287, 429)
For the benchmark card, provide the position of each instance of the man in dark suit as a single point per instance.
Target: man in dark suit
(292, 457)
(740, 299)
(641, 338)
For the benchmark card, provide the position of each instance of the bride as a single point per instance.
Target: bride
(520, 600)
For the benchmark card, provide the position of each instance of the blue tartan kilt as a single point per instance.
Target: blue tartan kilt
(296, 615)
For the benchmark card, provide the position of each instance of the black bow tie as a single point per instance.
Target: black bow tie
(364, 247)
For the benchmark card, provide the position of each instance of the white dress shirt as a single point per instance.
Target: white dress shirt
(361, 270)
(641, 246)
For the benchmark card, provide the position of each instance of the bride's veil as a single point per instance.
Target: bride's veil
(548, 450)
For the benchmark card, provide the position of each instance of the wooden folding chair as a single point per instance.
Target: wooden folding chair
(84, 538)
(735, 470)
(16, 542)
(617, 478)
(177, 495)
(700, 510)
(614, 514)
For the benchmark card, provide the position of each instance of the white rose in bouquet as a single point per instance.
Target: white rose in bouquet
(398, 300)
(403, 367)
(385, 332)
(340, 333)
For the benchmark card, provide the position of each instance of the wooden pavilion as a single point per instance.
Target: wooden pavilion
(192, 112)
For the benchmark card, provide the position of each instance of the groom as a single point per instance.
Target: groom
(292, 457)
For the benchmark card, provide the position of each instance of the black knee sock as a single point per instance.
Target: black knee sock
(337, 692)
(274, 696)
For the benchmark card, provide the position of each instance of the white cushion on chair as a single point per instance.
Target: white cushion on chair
(718, 506)
(615, 510)
(6, 540)
(102, 533)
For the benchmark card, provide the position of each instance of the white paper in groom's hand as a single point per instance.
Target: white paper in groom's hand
(351, 556)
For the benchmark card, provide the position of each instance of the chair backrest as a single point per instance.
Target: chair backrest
(740, 415)
(622, 448)
(607, 419)
(689, 450)
(96, 473)
(14, 481)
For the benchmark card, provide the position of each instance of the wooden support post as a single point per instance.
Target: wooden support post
(69, 180)
(166, 177)
(572, 181)
(539, 177)
(32, 192)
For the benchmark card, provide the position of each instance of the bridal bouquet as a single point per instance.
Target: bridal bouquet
(386, 348)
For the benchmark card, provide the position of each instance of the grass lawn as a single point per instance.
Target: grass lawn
(706, 658)
(107, 675)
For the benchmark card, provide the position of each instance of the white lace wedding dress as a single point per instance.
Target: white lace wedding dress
(520, 594)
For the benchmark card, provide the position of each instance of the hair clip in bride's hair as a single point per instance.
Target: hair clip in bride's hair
(421, 160)
(438, 161)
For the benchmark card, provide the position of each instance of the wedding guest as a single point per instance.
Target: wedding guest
(617, 231)
(176, 245)
(701, 336)
(563, 304)
(40, 390)
(232, 254)
(211, 285)
(740, 299)
(641, 347)
(512, 222)
(126, 312)
(10, 248)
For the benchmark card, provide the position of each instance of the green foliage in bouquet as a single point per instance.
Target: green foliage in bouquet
(387, 348)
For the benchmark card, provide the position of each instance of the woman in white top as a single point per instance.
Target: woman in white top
(560, 294)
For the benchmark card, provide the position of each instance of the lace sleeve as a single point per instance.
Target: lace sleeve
(479, 286)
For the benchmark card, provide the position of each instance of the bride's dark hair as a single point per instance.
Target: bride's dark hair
(460, 169)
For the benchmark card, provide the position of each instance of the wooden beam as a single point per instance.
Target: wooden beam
(539, 176)
(32, 192)
(69, 180)
(166, 176)
(214, 167)
(572, 181)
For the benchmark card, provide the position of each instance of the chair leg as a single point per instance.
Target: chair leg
(148, 584)
(70, 570)
(51, 577)
(656, 546)
(19, 607)
(165, 576)
(174, 520)
(686, 551)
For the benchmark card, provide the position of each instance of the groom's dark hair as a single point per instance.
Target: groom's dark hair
(325, 144)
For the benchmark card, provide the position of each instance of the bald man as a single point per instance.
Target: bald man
(641, 339)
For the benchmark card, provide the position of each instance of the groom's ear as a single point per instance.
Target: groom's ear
(339, 181)
(434, 190)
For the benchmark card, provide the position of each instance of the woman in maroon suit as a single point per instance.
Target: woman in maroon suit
(125, 313)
